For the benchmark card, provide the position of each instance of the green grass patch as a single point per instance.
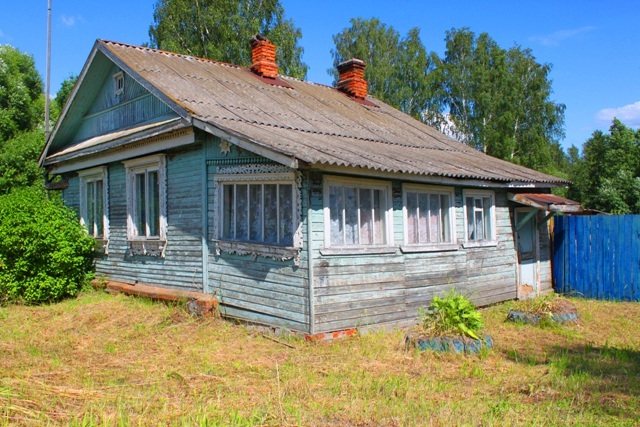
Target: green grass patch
(103, 360)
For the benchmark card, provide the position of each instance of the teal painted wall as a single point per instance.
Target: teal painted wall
(181, 267)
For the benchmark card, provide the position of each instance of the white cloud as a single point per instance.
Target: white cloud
(554, 39)
(69, 21)
(628, 114)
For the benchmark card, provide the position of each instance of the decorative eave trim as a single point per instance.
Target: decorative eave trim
(136, 148)
(242, 142)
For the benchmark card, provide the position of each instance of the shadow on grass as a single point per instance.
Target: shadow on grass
(608, 377)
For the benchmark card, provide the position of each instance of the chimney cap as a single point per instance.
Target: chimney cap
(353, 62)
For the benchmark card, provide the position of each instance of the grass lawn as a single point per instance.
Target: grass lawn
(102, 360)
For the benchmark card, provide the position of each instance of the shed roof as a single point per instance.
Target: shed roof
(312, 123)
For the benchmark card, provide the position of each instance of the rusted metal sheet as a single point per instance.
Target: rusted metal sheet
(313, 123)
(546, 202)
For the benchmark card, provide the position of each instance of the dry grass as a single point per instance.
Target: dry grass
(104, 360)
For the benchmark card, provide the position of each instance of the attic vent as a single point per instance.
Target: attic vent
(118, 81)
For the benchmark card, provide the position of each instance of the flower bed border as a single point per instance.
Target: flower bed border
(456, 344)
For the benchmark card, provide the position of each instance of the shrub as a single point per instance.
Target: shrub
(45, 254)
(453, 314)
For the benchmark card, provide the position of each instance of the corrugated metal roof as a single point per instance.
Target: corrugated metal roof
(314, 123)
(547, 202)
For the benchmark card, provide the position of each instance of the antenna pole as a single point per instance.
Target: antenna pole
(48, 78)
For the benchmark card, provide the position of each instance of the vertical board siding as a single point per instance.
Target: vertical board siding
(598, 256)
(379, 289)
(110, 112)
(181, 267)
(256, 288)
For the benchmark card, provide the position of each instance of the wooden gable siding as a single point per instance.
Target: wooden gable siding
(255, 288)
(110, 112)
(181, 267)
(378, 289)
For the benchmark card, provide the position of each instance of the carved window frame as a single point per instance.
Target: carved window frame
(139, 243)
(258, 174)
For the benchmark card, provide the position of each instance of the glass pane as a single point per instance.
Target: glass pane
(228, 218)
(140, 211)
(486, 201)
(336, 208)
(242, 216)
(479, 225)
(351, 216)
(255, 212)
(378, 217)
(90, 197)
(412, 218)
(445, 225)
(270, 213)
(471, 229)
(286, 214)
(423, 208)
(154, 204)
(99, 209)
(434, 219)
(366, 217)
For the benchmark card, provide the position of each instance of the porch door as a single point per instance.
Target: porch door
(527, 242)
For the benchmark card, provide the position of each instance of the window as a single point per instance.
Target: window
(93, 202)
(429, 216)
(259, 212)
(479, 216)
(118, 83)
(146, 199)
(357, 213)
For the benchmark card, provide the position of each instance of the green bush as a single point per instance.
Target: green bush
(453, 314)
(45, 254)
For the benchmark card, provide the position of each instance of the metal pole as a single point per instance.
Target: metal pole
(48, 78)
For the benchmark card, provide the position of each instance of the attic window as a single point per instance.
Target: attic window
(118, 80)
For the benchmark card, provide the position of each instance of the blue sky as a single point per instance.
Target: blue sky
(594, 46)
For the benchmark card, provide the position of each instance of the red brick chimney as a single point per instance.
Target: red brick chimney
(263, 56)
(352, 80)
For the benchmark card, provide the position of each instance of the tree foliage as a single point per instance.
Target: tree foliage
(398, 68)
(19, 161)
(607, 175)
(45, 254)
(494, 99)
(498, 100)
(221, 30)
(21, 93)
(64, 92)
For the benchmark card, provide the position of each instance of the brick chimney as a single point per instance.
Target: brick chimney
(352, 80)
(263, 56)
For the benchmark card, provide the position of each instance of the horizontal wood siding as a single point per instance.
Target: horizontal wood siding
(181, 267)
(71, 194)
(387, 289)
(256, 288)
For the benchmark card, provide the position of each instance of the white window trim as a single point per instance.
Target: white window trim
(149, 163)
(119, 76)
(492, 212)
(89, 175)
(429, 247)
(287, 178)
(385, 186)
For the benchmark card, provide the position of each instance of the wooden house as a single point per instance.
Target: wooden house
(297, 205)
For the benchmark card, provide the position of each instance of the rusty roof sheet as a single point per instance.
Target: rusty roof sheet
(549, 202)
(314, 123)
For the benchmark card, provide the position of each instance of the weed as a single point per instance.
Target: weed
(453, 314)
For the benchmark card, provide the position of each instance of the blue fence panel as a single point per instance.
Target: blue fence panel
(598, 256)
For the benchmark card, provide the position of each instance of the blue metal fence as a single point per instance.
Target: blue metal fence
(598, 256)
